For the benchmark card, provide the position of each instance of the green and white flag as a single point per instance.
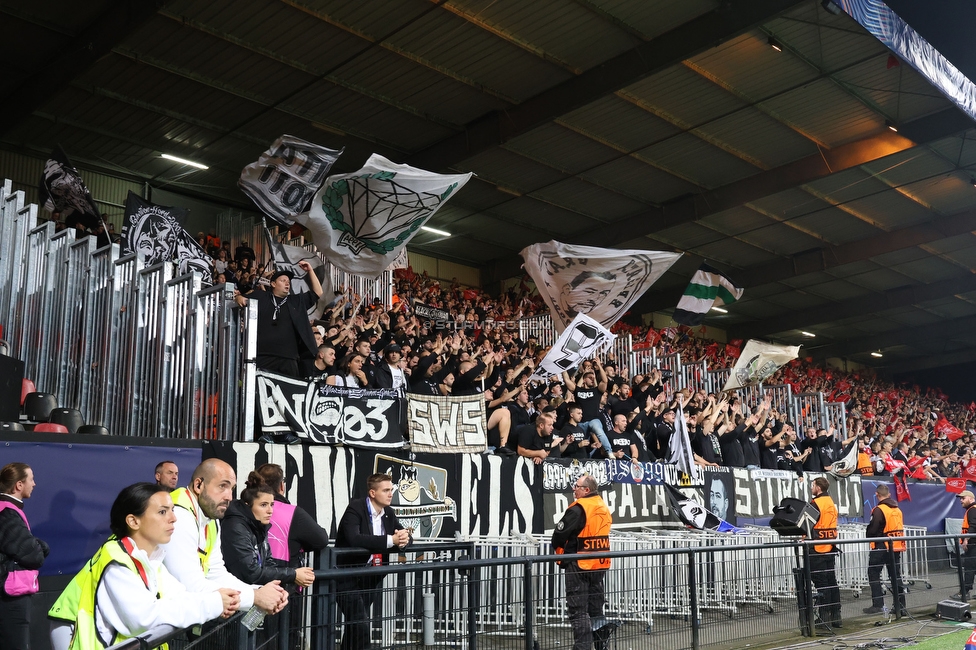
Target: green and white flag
(708, 288)
(362, 220)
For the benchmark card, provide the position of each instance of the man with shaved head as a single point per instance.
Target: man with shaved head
(193, 554)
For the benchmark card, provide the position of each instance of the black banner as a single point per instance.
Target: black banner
(62, 190)
(151, 231)
(331, 415)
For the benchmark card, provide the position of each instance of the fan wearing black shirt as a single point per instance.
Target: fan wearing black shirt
(623, 442)
(576, 442)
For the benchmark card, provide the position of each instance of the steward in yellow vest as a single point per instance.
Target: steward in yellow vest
(125, 590)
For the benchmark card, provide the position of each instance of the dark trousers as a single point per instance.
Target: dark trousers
(278, 365)
(15, 622)
(823, 573)
(584, 600)
(969, 565)
(878, 560)
(355, 601)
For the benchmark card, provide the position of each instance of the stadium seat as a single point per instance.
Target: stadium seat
(38, 406)
(48, 427)
(11, 426)
(70, 418)
(26, 388)
(93, 429)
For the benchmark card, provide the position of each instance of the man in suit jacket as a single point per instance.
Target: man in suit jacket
(369, 524)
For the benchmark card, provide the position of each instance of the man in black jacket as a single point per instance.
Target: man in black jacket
(284, 331)
(371, 525)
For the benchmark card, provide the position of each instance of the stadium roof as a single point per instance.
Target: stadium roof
(657, 124)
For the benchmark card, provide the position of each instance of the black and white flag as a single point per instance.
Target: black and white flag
(286, 176)
(286, 258)
(680, 444)
(190, 256)
(62, 190)
(847, 463)
(583, 339)
(758, 361)
(151, 231)
(600, 282)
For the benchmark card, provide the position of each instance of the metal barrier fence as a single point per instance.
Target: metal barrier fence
(134, 349)
(237, 229)
(672, 589)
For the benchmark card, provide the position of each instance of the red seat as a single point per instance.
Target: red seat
(26, 388)
(50, 427)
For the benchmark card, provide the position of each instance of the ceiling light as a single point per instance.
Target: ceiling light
(876, 355)
(720, 310)
(435, 231)
(809, 334)
(773, 43)
(184, 161)
(891, 126)
(972, 179)
(830, 7)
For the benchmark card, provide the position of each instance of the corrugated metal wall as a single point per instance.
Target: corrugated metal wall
(468, 276)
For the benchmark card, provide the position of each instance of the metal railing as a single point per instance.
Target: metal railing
(691, 589)
(134, 349)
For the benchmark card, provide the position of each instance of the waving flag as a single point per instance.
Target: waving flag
(286, 258)
(286, 176)
(63, 191)
(680, 445)
(708, 288)
(847, 463)
(758, 362)
(583, 339)
(600, 282)
(942, 427)
(151, 231)
(362, 220)
(695, 515)
(190, 256)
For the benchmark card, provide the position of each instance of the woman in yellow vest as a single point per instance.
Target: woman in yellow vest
(125, 590)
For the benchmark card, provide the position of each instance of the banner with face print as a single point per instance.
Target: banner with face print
(151, 231)
(583, 339)
(600, 282)
(332, 415)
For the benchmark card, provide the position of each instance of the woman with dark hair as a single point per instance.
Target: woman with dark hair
(244, 539)
(293, 531)
(125, 590)
(349, 372)
(22, 555)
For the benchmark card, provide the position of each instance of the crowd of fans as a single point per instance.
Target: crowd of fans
(599, 410)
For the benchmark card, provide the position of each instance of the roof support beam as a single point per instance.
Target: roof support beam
(892, 299)
(823, 259)
(935, 331)
(111, 27)
(936, 361)
(794, 174)
(708, 30)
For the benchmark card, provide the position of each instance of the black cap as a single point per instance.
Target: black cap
(392, 347)
(278, 274)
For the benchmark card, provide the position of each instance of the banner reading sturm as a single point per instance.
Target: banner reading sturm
(447, 425)
(332, 415)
